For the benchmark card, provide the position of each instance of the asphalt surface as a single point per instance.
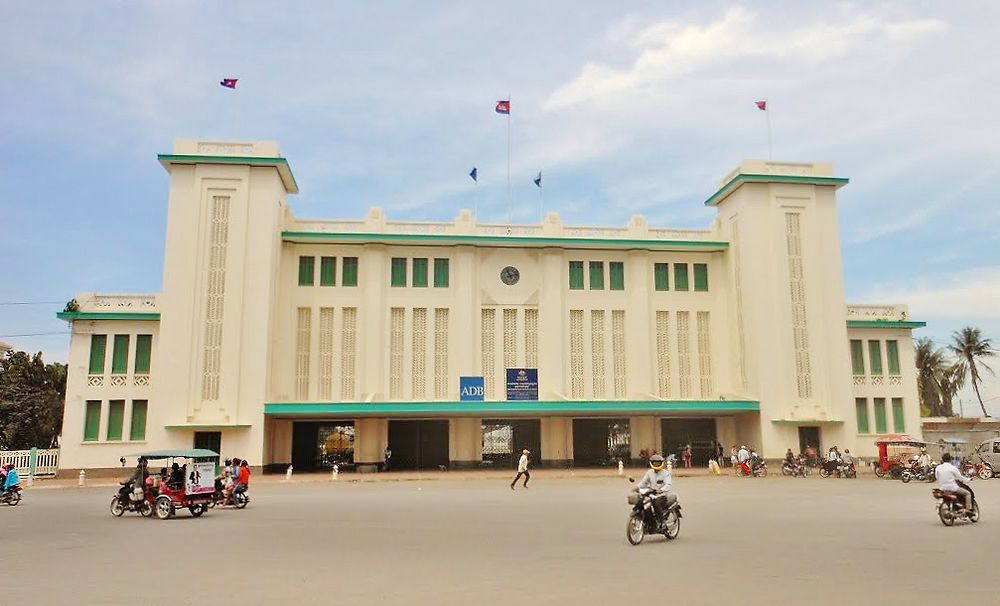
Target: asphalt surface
(742, 540)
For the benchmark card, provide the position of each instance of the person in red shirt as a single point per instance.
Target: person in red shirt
(244, 474)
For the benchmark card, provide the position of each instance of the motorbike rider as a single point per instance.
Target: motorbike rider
(10, 480)
(924, 460)
(950, 479)
(658, 480)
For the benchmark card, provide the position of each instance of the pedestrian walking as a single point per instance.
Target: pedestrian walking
(720, 454)
(386, 455)
(522, 469)
(687, 456)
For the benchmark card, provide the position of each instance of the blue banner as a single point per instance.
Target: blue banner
(522, 383)
(471, 389)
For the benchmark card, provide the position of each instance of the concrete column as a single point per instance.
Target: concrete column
(370, 438)
(279, 443)
(557, 441)
(465, 442)
(551, 328)
(642, 436)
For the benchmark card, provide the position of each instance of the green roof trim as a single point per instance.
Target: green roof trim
(70, 316)
(284, 170)
(711, 246)
(742, 178)
(884, 324)
(199, 427)
(807, 421)
(502, 407)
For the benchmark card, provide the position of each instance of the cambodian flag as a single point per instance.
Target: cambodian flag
(503, 107)
(229, 82)
(761, 105)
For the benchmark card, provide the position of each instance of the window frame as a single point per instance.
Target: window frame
(858, 357)
(328, 271)
(861, 407)
(576, 281)
(700, 277)
(397, 272)
(98, 356)
(142, 405)
(442, 271)
(898, 420)
(875, 367)
(681, 282)
(661, 270)
(881, 420)
(92, 420)
(116, 420)
(595, 271)
(892, 356)
(349, 267)
(119, 355)
(616, 275)
(143, 354)
(307, 270)
(420, 269)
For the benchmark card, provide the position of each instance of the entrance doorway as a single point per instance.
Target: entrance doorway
(675, 434)
(320, 445)
(504, 439)
(809, 436)
(419, 444)
(212, 440)
(598, 442)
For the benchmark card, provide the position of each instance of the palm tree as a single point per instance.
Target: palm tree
(950, 381)
(931, 364)
(970, 347)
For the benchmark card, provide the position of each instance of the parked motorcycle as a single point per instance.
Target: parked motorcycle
(130, 498)
(951, 507)
(643, 519)
(918, 473)
(759, 470)
(12, 496)
(981, 468)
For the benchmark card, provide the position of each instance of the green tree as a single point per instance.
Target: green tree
(970, 347)
(31, 401)
(932, 364)
(950, 381)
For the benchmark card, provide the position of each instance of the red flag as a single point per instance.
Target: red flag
(229, 82)
(761, 105)
(503, 107)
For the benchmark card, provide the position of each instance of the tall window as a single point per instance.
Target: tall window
(680, 276)
(892, 355)
(92, 421)
(597, 275)
(116, 418)
(328, 271)
(98, 349)
(617, 270)
(143, 349)
(307, 267)
(137, 431)
(701, 277)
(881, 426)
(661, 276)
(576, 275)
(861, 404)
(398, 277)
(441, 273)
(875, 357)
(420, 273)
(350, 273)
(898, 422)
(857, 357)
(119, 355)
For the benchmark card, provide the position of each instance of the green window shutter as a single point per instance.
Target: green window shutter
(92, 421)
(143, 349)
(398, 277)
(880, 420)
(440, 273)
(119, 355)
(597, 275)
(661, 276)
(350, 277)
(116, 415)
(857, 357)
(576, 275)
(137, 431)
(617, 270)
(307, 270)
(701, 277)
(420, 272)
(898, 422)
(328, 271)
(892, 353)
(875, 357)
(861, 404)
(98, 349)
(680, 276)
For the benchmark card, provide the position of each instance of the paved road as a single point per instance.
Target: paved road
(746, 541)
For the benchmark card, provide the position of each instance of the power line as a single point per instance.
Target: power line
(31, 303)
(35, 334)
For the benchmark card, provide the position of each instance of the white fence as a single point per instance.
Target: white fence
(46, 461)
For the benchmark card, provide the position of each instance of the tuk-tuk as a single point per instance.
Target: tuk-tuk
(193, 487)
(894, 451)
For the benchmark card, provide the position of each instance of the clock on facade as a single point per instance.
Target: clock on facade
(509, 275)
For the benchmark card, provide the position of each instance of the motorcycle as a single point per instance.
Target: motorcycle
(12, 496)
(130, 498)
(239, 498)
(759, 470)
(951, 507)
(794, 468)
(643, 519)
(840, 470)
(918, 473)
(982, 469)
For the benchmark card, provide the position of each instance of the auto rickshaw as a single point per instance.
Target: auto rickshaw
(894, 450)
(195, 490)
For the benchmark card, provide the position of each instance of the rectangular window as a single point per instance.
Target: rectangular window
(857, 357)
(143, 349)
(701, 277)
(420, 273)
(350, 273)
(892, 354)
(880, 421)
(861, 404)
(119, 355)
(398, 277)
(617, 270)
(98, 349)
(597, 275)
(328, 271)
(116, 416)
(92, 421)
(898, 422)
(875, 357)
(307, 267)
(440, 273)
(661, 276)
(137, 431)
(576, 275)
(680, 276)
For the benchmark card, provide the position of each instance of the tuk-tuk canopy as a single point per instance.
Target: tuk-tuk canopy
(900, 439)
(191, 453)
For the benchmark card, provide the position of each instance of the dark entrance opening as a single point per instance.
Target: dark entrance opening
(504, 439)
(211, 440)
(320, 445)
(675, 434)
(419, 444)
(809, 436)
(600, 441)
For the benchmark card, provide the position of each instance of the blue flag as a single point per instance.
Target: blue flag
(474, 174)
(538, 179)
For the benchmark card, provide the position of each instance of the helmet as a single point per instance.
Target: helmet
(656, 462)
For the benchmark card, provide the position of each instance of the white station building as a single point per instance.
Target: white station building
(312, 342)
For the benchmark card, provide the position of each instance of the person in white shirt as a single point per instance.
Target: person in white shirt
(522, 469)
(950, 479)
(659, 480)
(924, 460)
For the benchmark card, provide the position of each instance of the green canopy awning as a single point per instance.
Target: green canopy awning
(190, 453)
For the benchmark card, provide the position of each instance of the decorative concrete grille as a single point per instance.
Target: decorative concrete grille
(738, 273)
(876, 380)
(576, 353)
(895, 380)
(704, 354)
(396, 352)
(141, 380)
(488, 328)
(441, 353)
(510, 338)
(618, 347)
(215, 294)
(118, 381)
(597, 353)
(797, 288)
(326, 322)
(302, 345)
(859, 380)
(531, 338)
(663, 352)
(95, 381)
(684, 353)
(348, 349)
(419, 353)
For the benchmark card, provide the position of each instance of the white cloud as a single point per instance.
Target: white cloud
(970, 295)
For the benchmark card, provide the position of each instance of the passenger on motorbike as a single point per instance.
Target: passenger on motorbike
(10, 480)
(924, 460)
(950, 479)
(659, 481)
(789, 457)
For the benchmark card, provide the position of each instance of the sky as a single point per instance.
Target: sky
(626, 108)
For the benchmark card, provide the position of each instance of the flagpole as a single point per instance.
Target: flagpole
(509, 210)
(541, 207)
(475, 199)
(767, 113)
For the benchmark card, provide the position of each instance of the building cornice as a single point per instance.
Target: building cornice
(507, 407)
(884, 324)
(501, 241)
(70, 316)
(281, 164)
(742, 178)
